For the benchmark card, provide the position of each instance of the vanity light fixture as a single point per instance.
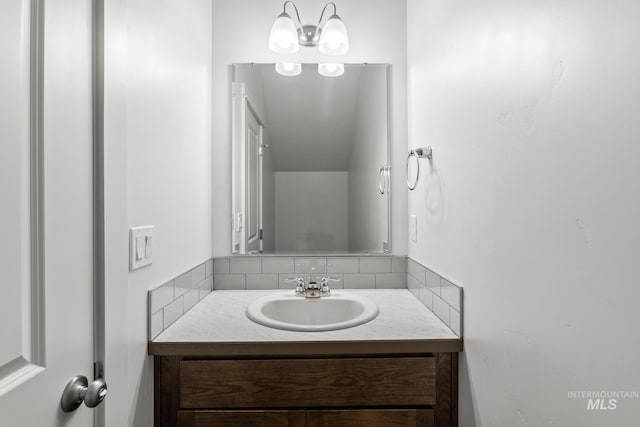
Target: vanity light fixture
(286, 36)
(331, 70)
(289, 69)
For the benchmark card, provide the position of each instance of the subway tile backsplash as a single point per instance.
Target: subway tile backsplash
(271, 272)
(438, 294)
(358, 281)
(168, 302)
(311, 265)
(342, 265)
(277, 265)
(375, 265)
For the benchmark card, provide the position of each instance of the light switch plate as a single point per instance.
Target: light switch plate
(413, 228)
(140, 244)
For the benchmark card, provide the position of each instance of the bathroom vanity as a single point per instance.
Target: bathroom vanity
(214, 366)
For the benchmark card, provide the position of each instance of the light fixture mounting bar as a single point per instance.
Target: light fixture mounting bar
(309, 35)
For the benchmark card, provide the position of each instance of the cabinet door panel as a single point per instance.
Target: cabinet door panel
(303, 383)
(241, 418)
(371, 418)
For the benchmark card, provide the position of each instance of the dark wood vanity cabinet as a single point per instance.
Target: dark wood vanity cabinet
(309, 418)
(336, 391)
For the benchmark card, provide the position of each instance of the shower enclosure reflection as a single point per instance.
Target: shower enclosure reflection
(310, 160)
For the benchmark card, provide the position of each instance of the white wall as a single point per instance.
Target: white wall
(311, 211)
(377, 31)
(533, 200)
(368, 209)
(158, 172)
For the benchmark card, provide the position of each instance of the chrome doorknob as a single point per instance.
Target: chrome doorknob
(79, 390)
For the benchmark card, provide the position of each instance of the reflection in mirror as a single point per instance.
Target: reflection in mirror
(310, 160)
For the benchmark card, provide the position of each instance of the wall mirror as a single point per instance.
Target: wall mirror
(310, 159)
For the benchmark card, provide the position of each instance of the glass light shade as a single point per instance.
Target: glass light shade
(284, 35)
(289, 69)
(334, 39)
(331, 70)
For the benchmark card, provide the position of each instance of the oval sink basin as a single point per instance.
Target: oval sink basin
(293, 313)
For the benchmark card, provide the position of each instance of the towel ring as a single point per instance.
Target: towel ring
(381, 182)
(383, 179)
(418, 153)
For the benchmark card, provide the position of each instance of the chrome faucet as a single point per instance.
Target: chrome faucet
(325, 291)
(312, 290)
(300, 286)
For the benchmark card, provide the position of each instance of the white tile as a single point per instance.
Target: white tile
(183, 284)
(156, 326)
(342, 265)
(455, 321)
(441, 309)
(359, 281)
(191, 298)
(450, 293)
(197, 275)
(417, 271)
(161, 296)
(391, 280)
(173, 312)
(245, 265)
(202, 293)
(375, 265)
(228, 281)
(433, 282)
(413, 283)
(426, 297)
(205, 287)
(221, 266)
(208, 268)
(206, 283)
(277, 265)
(311, 265)
(262, 281)
(399, 265)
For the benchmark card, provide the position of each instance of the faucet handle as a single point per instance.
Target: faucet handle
(300, 288)
(324, 285)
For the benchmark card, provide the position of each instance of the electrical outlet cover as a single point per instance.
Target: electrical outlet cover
(413, 228)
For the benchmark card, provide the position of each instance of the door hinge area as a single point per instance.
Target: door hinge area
(98, 372)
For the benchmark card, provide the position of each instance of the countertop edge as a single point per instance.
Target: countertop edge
(305, 348)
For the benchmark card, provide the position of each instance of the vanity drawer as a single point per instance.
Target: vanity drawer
(371, 418)
(303, 383)
(241, 418)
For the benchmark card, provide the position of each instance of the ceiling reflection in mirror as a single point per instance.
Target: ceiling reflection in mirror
(310, 160)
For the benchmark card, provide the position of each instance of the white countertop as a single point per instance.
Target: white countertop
(221, 317)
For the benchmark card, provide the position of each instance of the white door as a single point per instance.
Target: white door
(46, 226)
(253, 169)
